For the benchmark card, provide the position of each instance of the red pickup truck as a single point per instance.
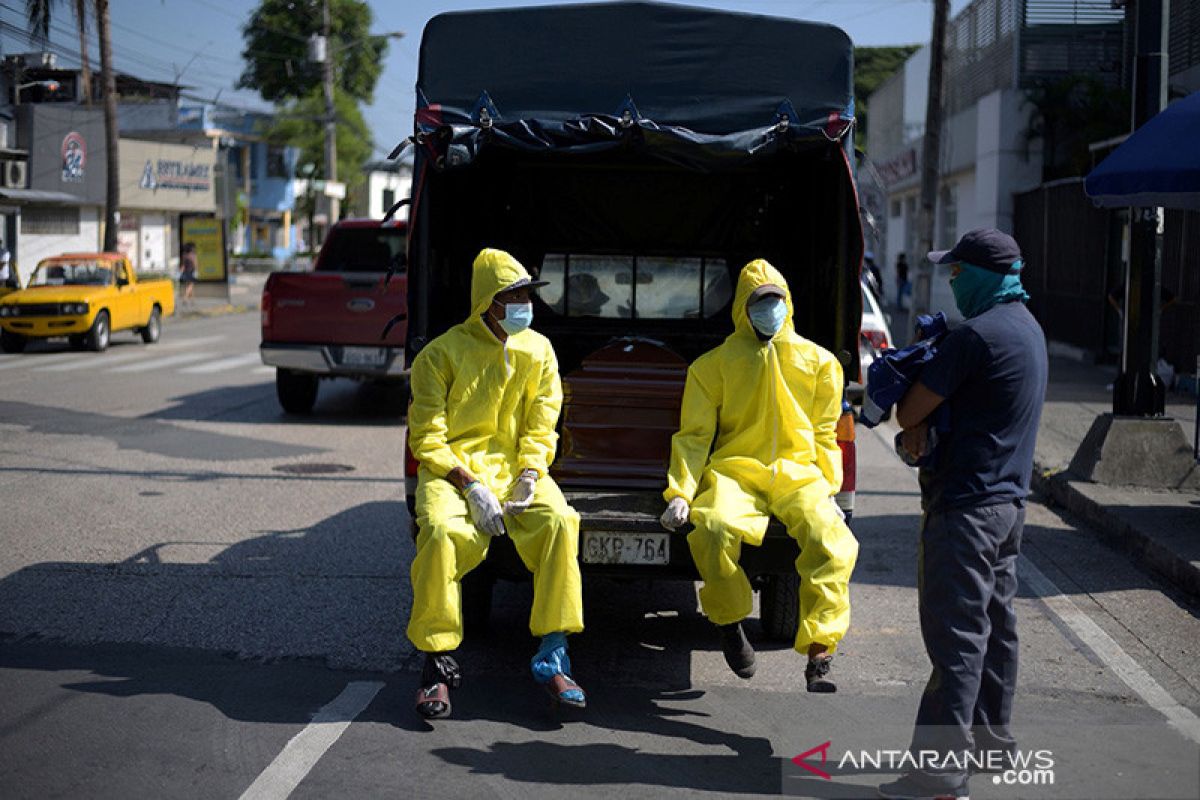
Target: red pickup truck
(330, 323)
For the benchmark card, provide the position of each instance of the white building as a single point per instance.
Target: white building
(387, 182)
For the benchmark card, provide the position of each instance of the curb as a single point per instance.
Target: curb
(1144, 549)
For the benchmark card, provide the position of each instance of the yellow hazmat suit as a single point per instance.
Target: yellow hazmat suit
(489, 407)
(772, 408)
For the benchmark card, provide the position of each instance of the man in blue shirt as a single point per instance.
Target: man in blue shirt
(991, 372)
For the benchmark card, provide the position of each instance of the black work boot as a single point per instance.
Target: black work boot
(817, 674)
(739, 655)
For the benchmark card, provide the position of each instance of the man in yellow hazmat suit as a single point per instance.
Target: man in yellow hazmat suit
(757, 438)
(486, 396)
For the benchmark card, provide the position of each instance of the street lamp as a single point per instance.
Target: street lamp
(48, 85)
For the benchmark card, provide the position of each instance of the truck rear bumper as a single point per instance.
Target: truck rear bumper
(335, 360)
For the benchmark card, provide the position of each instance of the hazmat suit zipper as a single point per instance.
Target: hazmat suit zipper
(774, 403)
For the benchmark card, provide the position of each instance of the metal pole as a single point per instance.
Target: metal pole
(330, 116)
(930, 161)
(1138, 390)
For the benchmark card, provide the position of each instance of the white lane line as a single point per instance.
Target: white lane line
(94, 360)
(301, 754)
(1107, 650)
(225, 363)
(263, 370)
(69, 362)
(32, 360)
(160, 363)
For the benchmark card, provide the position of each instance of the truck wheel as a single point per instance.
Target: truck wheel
(779, 606)
(477, 588)
(297, 391)
(97, 338)
(12, 342)
(153, 328)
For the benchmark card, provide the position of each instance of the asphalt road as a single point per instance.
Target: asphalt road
(201, 597)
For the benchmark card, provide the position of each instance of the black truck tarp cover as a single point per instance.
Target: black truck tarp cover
(698, 87)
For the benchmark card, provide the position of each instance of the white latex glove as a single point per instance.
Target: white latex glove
(522, 493)
(837, 508)
(485, 509)
(676, 514)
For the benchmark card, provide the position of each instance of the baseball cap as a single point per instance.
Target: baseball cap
(522, 283)
(765, 290)
(988, 248)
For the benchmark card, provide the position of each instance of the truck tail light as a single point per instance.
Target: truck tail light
(265, 310)
(410, 462)
(845, 440)
(878, 339)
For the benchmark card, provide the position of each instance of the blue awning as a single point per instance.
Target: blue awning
(1158, 165)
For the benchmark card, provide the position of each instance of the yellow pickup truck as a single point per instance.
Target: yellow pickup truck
(85, 297)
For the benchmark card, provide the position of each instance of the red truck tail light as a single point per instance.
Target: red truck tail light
(410, 462)
(845, 440)
(265, 310)
(878, 339)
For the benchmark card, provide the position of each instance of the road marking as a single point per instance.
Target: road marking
(94, 360)
(301, 754)
(264, 370)
(71, 361)
(1107, 650)
(30, 361)
(225, 363)
(159, 363)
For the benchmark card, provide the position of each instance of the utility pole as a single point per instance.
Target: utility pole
(930, 158)
(330, 116)
(1138, 390)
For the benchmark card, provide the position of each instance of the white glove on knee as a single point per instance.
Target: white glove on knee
(485, 509)
(522, 493)
(676, 514)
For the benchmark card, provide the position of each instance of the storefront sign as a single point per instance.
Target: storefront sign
(74, 157)
(165, 174)
(207, 234)
(898, 168)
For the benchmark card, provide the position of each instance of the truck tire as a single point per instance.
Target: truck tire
(779, 606)
(153, 328)
(477, 588)
(12, 342)
(97, 338)
(297, 391)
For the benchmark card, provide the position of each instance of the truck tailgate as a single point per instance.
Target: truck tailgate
(335, 308)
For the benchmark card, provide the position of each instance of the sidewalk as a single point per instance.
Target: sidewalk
(1161, 529)
(241, 295)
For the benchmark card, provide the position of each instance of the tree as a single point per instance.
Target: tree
(873, 66)
(300, 124)
(276, 39)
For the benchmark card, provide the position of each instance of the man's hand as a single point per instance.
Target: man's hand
(485, 509)
(676, 514)
(522, 493)
(914, 439)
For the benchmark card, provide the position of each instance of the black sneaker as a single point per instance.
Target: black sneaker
(817, 674)
(739, 655)
(918, 786)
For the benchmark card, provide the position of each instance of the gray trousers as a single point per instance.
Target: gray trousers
(966, 582)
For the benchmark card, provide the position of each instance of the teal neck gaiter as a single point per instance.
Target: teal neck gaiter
(977, 289)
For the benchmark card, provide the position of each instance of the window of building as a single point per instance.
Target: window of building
(276, 162)
(50, 220)
(646, 287)
(389, 197)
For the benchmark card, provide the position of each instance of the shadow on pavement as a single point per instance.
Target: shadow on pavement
(339, 402)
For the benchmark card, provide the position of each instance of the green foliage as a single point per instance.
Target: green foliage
(276, 49)
(1070, 113)
(299, 124)
(873, 66)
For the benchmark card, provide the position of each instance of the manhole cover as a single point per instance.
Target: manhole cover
(313, 469)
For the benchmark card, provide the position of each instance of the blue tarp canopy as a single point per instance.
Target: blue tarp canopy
(1158, 165)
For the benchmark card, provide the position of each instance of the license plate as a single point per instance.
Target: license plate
(625, 548)
(363, 356)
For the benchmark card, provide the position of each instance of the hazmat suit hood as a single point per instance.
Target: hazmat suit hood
(492, 272)
(759, 272)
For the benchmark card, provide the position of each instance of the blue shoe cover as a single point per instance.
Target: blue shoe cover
(552, 659)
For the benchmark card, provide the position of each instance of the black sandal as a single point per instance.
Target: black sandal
(439, 675)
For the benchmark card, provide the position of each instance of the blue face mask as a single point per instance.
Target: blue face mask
(517, 317)
(768, 315)
(977, 289)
